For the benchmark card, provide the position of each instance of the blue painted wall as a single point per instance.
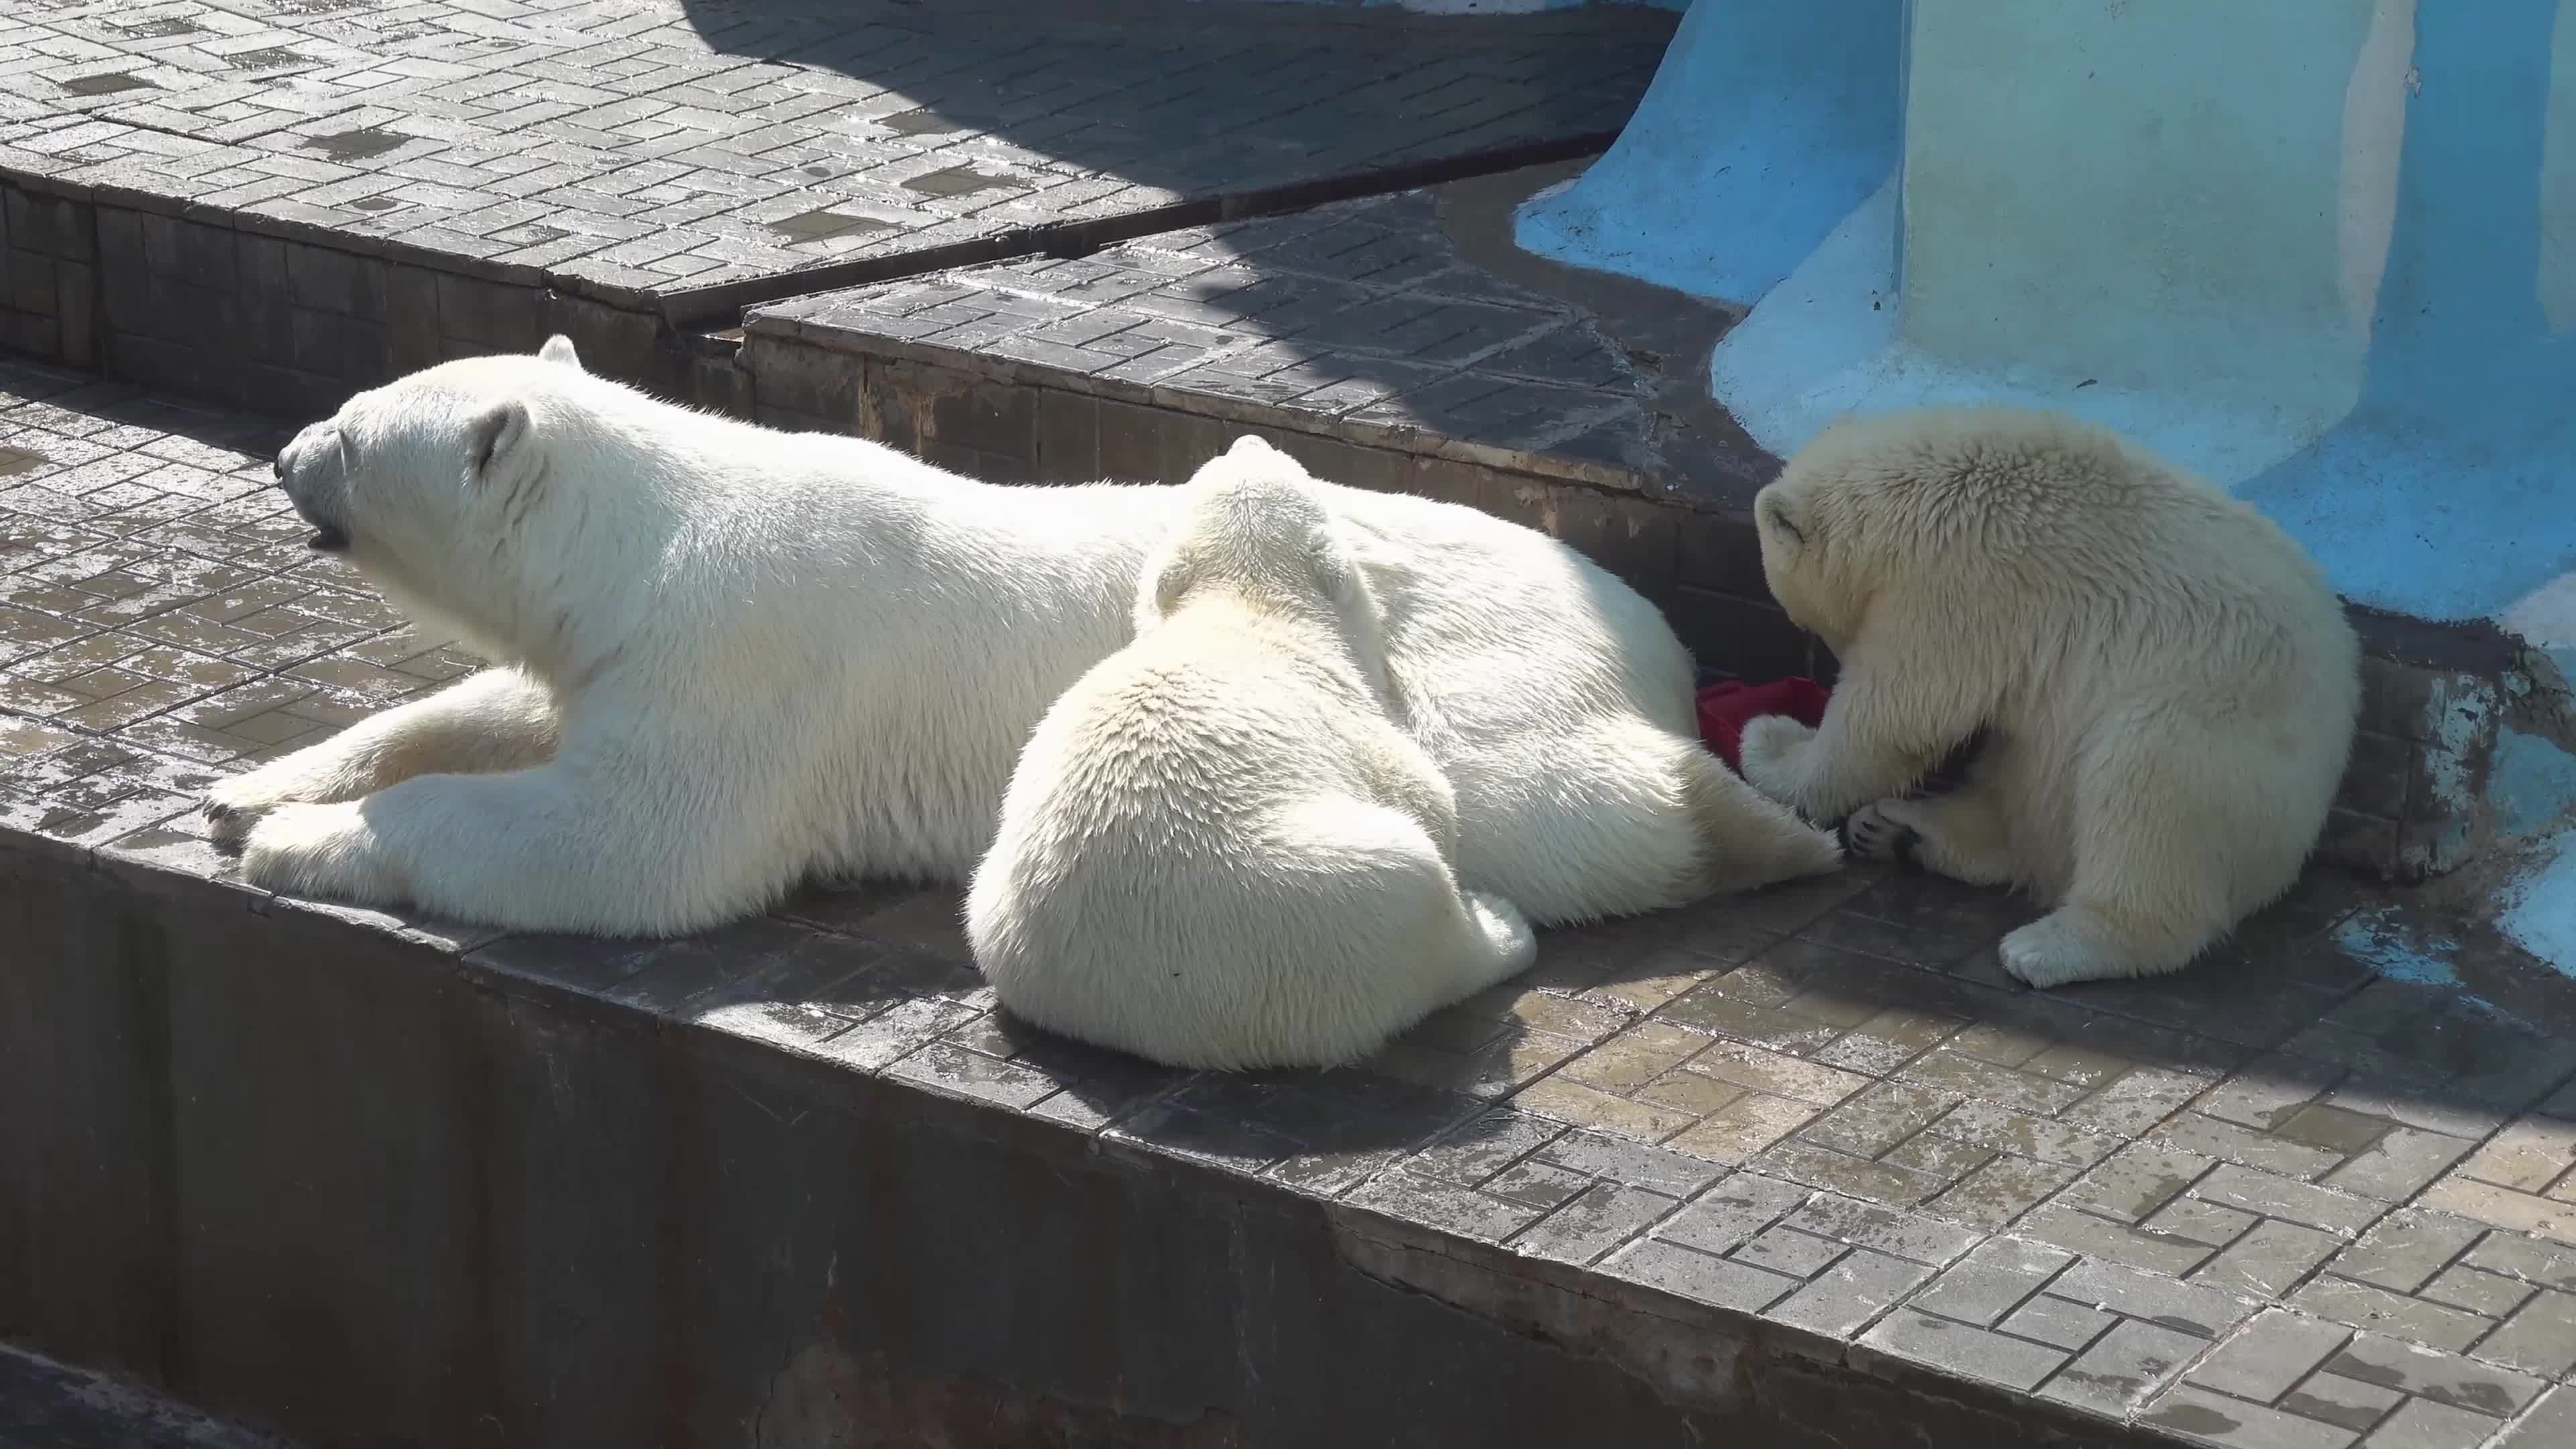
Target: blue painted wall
(2450, 491)
(1766, 125)
(2422, 445)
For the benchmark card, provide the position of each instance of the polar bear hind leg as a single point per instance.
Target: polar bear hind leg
(1746, 840)
(1507, 946)
(2170, 850)
(1386, 925)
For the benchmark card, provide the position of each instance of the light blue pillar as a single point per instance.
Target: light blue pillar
(2322, 250)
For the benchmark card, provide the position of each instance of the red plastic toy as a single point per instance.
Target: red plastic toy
(1727, 707)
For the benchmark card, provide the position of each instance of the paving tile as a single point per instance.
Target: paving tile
(2549, 1264)
(1728, 1215)
(1700, 1277)
(2196, 1414)
(2422, 1424)
(2477, 1290)
(2272, 1352)
(1673, 1173)
(2279, 1197)
(1598, 1219)
(1959, 1349)
(2540, 1337)
(1995, 1276)
(2551, 1421)
(1913, 1236)
(2122, 1368)
(1449, 1208)
(2058, 1323)
(2203, 1312)
(2081, 1232)
(2363, 1306)
(2406, 1249)
(2345, 1403)
(2268, 1261)
(1856, 1289)
(2502, 1207)
(2431, 1374)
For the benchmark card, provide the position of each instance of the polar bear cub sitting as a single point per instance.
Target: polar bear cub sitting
(2165, 685)
(1218, 849)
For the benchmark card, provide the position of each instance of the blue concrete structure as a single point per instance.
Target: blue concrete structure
(2330, 262)
(1767, 124)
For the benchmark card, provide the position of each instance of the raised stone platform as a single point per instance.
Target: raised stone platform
(1797, 1169)
(274, 201)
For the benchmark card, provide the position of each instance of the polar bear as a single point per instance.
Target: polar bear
(2164, 684)
(1218, 849)
(727, 659)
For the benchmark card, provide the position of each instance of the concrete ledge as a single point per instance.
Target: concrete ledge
(374, 1182)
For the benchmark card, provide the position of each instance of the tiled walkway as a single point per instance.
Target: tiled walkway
(2279, 1201)
(651, 145)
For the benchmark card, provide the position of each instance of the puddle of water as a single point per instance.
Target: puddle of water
(108, 84)
(918, 123)
(959, 181)
(819, 224)
(357, 145)
(14, 461)
(374, 203)
(272, 57)
(161, 29)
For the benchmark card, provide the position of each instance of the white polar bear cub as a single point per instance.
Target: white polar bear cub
(1218, 850)
(728, 659)
(2165, 685)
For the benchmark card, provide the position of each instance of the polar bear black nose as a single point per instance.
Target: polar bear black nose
(277, 467)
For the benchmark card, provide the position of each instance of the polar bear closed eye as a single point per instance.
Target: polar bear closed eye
(728, 658)
(1218, 850)
(2165, 685)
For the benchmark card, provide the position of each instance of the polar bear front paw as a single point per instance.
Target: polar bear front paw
(235, 807)
(1873, 834)
(1774, 755)
(324, 851)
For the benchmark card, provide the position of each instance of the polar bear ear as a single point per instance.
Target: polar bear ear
(558, 350)
(1784, 520)
(497, 437)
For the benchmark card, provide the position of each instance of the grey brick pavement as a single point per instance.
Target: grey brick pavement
(647, 146)
(2275, 1202)
(1362, 318)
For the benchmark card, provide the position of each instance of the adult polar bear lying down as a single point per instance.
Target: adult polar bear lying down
(731, 658)
(2165, 683)
(1217, 849)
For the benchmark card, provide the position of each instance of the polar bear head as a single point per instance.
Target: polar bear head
(1928, 502)
(1254, 524)
(443, 486)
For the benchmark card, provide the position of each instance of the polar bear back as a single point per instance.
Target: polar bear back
(2152, 656)
(2036, 550)
(1217, 850)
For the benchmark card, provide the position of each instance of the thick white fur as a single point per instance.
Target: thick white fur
(1218, 850)
(729, 658)
(2169, 684)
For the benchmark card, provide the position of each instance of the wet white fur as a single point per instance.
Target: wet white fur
(2170, 684)
(730, 658)
(1219, 850)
